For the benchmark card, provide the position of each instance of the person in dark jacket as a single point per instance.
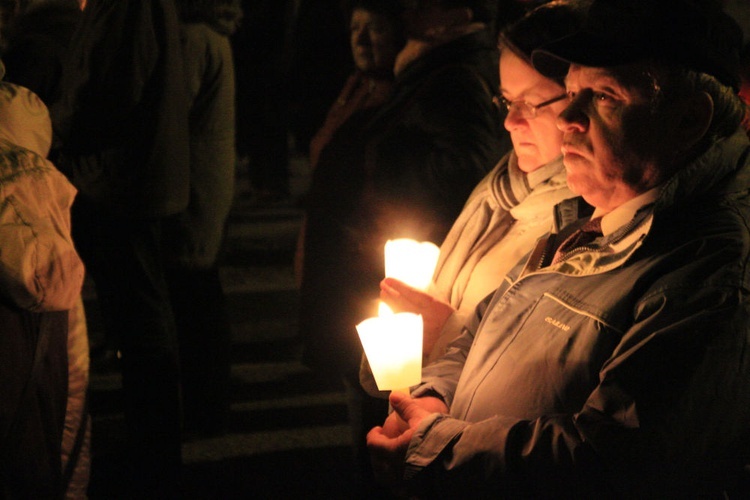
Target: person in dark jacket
(123, 141)
(613, 360)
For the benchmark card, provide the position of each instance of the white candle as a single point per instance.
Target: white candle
(393, 346)
(411, 261)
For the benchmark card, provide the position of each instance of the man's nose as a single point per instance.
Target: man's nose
(574, 116)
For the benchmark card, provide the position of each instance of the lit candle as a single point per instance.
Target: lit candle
(411, 261)
(393, 346)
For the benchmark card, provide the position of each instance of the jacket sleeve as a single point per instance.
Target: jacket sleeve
(642, 431)
(441, 376)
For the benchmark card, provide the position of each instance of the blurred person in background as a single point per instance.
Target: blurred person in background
(123, 141)
(43, 347)
(37, 35)
(376, 37)
(193, 238)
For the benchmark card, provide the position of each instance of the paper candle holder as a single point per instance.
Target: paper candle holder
(393, 346)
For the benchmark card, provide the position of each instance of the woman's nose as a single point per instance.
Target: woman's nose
(513, 118)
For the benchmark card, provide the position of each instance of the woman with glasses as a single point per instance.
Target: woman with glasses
(512, 206)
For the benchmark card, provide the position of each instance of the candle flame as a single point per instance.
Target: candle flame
(384, 310)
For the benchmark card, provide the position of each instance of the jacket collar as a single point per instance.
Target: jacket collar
(709, 171)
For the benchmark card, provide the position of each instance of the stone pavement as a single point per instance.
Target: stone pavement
(289, 436)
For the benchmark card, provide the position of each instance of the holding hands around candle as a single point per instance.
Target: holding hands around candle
(388, 444)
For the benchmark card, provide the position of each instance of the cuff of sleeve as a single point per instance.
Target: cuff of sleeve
(429, 390)
(431, 437)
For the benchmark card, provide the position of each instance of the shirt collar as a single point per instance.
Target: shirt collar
(623, 214)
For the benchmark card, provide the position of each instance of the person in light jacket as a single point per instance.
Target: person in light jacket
(43, 345)
(512, 206)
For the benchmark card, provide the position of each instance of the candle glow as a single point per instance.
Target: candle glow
(393, 341)
(411, 261)
(393, 345)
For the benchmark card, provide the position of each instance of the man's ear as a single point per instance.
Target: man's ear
(695, 120)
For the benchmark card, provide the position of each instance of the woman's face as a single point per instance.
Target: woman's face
(374, 40)
(536, 139)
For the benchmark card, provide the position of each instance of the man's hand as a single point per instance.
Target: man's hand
(402, 297)
(388, 444)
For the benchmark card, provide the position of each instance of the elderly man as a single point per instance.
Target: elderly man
(617, 366)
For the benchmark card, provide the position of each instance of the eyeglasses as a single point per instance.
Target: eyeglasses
(526, 110)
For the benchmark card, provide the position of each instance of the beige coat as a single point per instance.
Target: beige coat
(39, 267)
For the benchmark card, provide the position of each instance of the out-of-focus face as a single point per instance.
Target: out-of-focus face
(536, 139)
(613, 144)
(374, 41)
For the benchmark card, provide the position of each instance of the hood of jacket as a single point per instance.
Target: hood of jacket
(24, 120)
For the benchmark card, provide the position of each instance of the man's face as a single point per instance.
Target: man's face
(613, 145)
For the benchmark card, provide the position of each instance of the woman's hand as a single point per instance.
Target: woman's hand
(403, 298)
